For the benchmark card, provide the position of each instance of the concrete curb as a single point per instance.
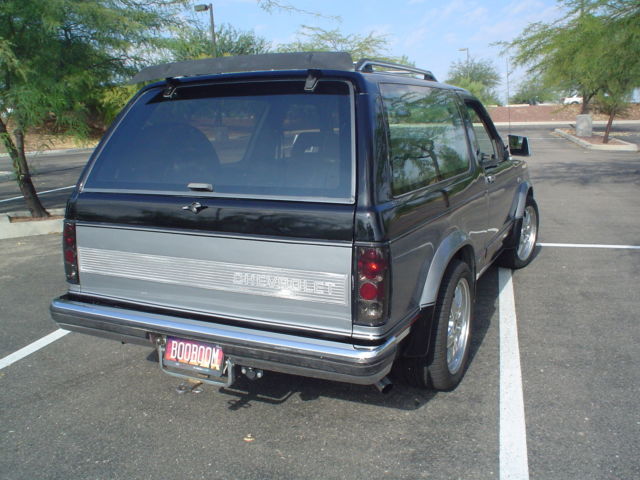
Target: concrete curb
(540, 124)
(627, 147)
(27, 229)
(564, 122)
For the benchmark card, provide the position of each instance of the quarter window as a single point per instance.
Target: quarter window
(427, 141)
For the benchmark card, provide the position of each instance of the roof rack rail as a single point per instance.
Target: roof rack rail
(366, 65)
(247, 63)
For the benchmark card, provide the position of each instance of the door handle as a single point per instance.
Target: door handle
(490, 178)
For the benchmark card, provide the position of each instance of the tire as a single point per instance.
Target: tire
(444, 366)
(521, 254)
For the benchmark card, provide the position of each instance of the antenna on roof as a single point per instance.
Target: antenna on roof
(508, 109)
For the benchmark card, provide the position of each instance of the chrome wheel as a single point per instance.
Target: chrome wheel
(458, 327)
(528, 233)
(443, 363)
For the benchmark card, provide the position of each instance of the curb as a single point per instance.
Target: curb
(44, 153)
(627, 147)
(542, 124)
(27, 229)
(565, 122)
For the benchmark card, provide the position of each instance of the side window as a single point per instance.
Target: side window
(481, 140)
(427, 141)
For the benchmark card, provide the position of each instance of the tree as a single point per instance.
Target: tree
(558, 55)
(316, 39)
(533, 91)
(618, 59)
(55, 58)
(194, 42)
(480, 77)
(271, 5)
(611, 105)
(594, 46)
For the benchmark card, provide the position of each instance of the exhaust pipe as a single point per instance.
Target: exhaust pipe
(384, 385)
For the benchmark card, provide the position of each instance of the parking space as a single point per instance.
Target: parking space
(30, 273)
(585, 196)
(90, 408)
(578, 324)
(578, 316)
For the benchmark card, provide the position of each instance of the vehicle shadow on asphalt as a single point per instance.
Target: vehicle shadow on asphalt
(486, 305)
(277, 388)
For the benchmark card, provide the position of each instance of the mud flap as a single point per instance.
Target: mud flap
(419, 341)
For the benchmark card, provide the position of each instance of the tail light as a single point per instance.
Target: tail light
(70, 252)
(372, 286)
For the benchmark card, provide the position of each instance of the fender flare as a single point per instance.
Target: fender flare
(441, 259)
(520, 199)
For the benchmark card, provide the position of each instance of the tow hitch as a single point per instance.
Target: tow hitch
(252, 373)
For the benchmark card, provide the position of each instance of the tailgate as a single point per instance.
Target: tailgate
(271, 282)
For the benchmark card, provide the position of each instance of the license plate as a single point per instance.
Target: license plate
(194, 355)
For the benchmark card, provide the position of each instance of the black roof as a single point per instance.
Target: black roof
(271, 61)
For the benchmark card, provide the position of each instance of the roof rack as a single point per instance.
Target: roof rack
(247, 63)
(366, 65)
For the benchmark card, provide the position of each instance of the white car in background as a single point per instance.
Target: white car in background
(572, 100)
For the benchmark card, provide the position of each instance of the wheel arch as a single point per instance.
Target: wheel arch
(456, 246)
(525, 191)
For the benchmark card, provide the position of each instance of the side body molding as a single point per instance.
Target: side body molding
(447, 249)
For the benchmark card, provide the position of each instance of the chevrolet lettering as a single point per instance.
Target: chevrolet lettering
(298, 213)
(283, 284)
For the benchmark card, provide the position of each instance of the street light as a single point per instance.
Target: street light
(203, 7)
(466, 50)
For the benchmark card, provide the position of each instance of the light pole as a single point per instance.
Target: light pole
(203, 7)
(466, 50)
(507, 60)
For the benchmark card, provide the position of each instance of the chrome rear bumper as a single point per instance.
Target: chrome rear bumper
(246, 347)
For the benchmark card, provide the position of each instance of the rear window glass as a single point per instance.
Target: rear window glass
(427, 140)
(262, 139)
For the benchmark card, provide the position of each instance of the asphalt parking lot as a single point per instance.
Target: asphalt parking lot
(53, 176)
(86, 408)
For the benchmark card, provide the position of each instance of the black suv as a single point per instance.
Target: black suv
(295, 213)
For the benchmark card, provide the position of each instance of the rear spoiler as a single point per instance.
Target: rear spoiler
(247, 63)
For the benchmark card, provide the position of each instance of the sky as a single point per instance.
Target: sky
(430, 32)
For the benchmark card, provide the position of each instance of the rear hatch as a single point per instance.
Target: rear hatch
(232, 199)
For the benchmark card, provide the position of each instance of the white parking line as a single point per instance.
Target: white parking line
(514, 464)
(32, 347)
(39, 193)
(589, 245)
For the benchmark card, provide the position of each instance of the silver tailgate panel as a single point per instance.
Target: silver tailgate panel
(273, 282)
